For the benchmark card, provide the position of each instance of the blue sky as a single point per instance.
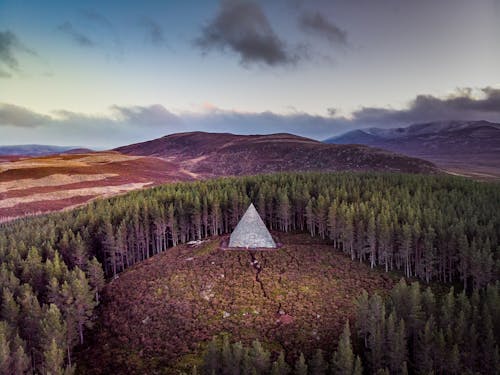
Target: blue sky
(102, 74)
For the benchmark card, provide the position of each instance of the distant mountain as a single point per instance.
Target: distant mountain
(468, 147)
(34, 150)
(80, 150)
(220, 154)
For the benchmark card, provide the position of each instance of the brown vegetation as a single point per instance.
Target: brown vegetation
(50, 183)
(170, 305)
(212, 154)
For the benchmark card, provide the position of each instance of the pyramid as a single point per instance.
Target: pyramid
(251, 232)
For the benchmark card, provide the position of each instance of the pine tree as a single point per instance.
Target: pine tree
(300, 366)
(426, 348)
(343, 358)
(260, 357)
(453, 362)
(396, 349)
(95, 275)
(10, 308)
(212, 358)
(376, 332)
(53, 339)
(318, 365)
(53, 358)
(5, 356)
(358, 367)
(20, 361)
(363, 312)
(280, 367)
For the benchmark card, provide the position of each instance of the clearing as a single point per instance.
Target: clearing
(157, 316)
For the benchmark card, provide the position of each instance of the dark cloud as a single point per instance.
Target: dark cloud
(96, 18)
(93, 30)
(331, 111)
(315, 23)
(13, 115)
(10, 45)
(153, 115)
(243, 28)
(154, 32)
(462, 105)
(78, 37)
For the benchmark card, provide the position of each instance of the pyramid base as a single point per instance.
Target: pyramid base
(224, 245)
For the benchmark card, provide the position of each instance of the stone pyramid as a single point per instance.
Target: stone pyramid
(251, 232)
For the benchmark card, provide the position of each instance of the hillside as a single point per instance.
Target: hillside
(31, 185)
(471, 148)
(295, 297)
(49, 183)
(212, 154)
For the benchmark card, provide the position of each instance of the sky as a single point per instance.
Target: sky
(101, 74)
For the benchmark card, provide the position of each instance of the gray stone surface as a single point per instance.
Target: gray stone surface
(251, 232)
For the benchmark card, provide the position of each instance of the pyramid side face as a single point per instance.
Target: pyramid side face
(251, 232)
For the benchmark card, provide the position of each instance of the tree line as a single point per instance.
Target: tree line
(410, 332)
(53, 266)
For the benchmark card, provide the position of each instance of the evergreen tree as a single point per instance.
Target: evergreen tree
(280, 367)
(212, 358)
(343, 358)
(95, 275)
(260, 357)
(300, 366)
(318, 365)
(5, 356)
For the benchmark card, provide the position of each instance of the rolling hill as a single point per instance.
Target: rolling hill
(32, 185)
(49, 183)
(470, 148)
(190, 294)
(214, 154)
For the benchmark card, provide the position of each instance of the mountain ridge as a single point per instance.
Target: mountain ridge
(39, 150)
(468, 147)
(219, 154)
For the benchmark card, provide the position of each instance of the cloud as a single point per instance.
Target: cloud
(78, 37)
(91, 29)
(154, 115)
(462, 105)
(4, 74)
(10, 45)
(13, 115)
(130, 124)
(331, 111)
(96, 18)
(316, 24)
(153, 31)
(243, 28)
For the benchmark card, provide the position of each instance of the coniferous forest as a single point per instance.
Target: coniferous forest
(439, 230)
